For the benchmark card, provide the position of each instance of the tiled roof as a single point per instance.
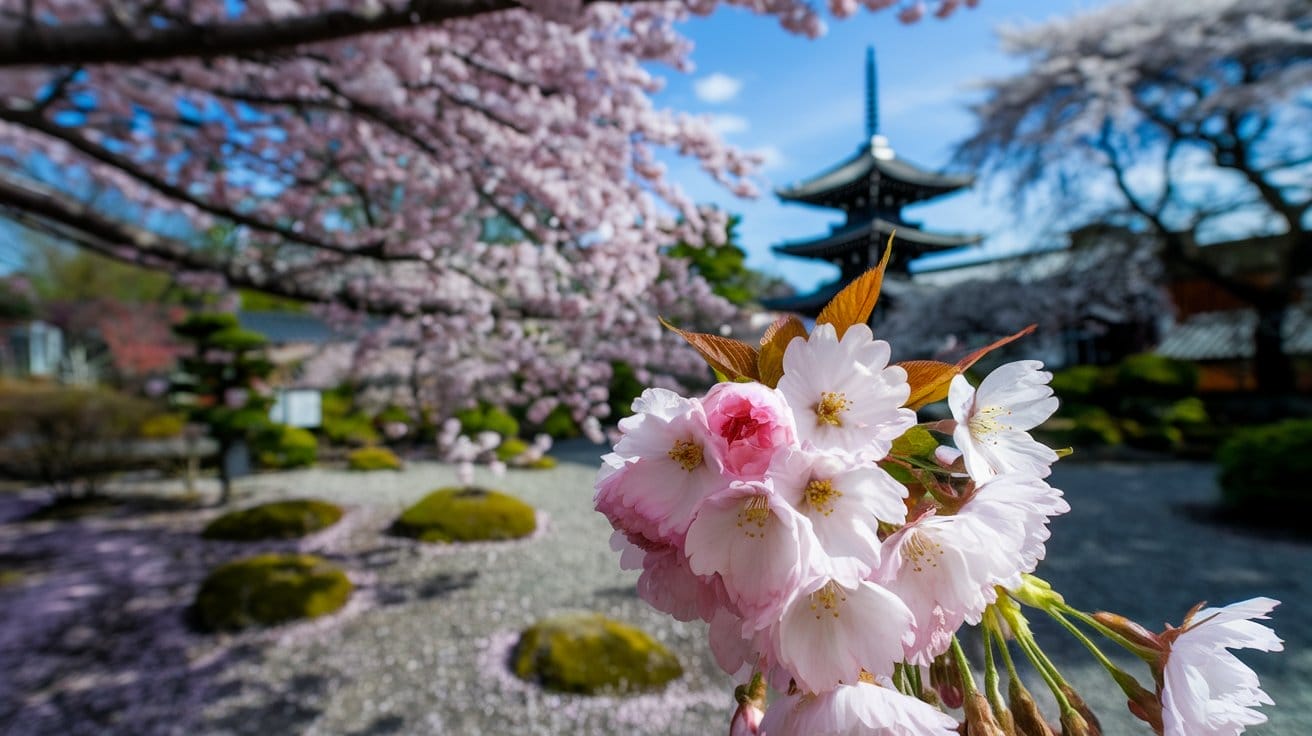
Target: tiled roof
(1228, 335)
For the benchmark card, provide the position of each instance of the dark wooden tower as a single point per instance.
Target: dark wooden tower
(871, 188)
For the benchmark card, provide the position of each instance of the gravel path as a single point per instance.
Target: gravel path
(96, 624)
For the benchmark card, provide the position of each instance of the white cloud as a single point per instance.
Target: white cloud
(771, 157)
(717, 88)
(726, 124)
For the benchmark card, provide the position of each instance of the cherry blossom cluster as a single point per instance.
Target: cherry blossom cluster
(835, 547)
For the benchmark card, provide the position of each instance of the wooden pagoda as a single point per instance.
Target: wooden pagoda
(871, 188)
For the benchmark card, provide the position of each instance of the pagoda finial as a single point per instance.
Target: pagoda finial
(872, 95)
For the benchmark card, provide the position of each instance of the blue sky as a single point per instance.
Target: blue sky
(802, 102)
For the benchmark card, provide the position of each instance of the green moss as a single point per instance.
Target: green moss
(277, 520)
(1268, 466)
(546, 462)
(355, 430)
(282, 447)
(269, 589)
(510, 449)
(466, 515)
(373, 458)
(487, 418)
(559, 425)
(587, 653)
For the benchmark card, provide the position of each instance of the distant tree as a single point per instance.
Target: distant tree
(724, 266)
(1188, 119)
(221, 384)
(60, 273)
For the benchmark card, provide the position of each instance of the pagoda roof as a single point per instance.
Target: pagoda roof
(826, 188)
(842, 239)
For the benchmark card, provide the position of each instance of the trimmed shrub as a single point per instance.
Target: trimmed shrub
(589, 654)
(1190, 412)
(268, 590)
(1268, 465)
(511, 448)
(277, 520)
(1149, 374)
(466, 515)
(373, 458)
(162, 427)
(1081, 383)
(1082, 425)
(546, 462)
(560, 425)
(624, 387)
(281, 447)
(354, 430)
(486, 418)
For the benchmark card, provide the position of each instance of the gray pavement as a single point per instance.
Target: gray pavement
(93, 638)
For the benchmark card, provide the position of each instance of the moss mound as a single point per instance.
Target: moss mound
(277, 520)
(466, 515)
(546, 462)
(589, 654)
(373, 458)
(267, 590)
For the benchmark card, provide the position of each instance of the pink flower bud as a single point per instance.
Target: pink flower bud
(746, 720)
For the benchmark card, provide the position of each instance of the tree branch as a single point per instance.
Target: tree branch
(96, 43)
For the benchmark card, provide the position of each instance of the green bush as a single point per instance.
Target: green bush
(560, 425)
(487, 418)
(1148, 374)
(1152, 435)
(277, 520)
(1080, 383)
(162, 426)
(268, 590)
(373, 458)
(1267, 465)
(466, 515)
(589, 654)
(546, 462)
(624, 387)
(353, 430)
(1190, 412)
(69, 439)
(281, 447)
(510, 449)
(1082, 425)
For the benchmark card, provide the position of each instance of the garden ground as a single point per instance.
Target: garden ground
(94, 638)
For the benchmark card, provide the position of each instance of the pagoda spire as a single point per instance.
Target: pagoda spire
(872, 95)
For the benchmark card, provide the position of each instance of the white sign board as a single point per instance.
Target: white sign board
(298, 407)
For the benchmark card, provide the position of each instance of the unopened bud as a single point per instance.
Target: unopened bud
(979, 717)
(1073, 724)
(1091, 725)
(1037, 593)
(1029, 720)
(945, 678)
(746, 720)
(1132, 631)
(1143, 703)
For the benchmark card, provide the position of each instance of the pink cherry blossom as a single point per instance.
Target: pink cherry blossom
(859, 709)
(753, 422)
(1206, 690)
(993, 421)
(844, 394)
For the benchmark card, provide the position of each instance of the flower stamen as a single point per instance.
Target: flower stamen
(920, 549)
(828, 600)
(830, 408)
(754, 513)
(687, 454)
(820, 495)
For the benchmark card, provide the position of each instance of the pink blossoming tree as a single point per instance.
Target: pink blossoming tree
(484, 172)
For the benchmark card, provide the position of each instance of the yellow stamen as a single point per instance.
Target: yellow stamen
(828, 600)
(821, 494)
(920, 549)
(687, 454)
(986, 421)
(830, 409)
(753, 516)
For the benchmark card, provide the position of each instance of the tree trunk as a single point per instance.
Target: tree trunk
(225, 482)
(1272, 366)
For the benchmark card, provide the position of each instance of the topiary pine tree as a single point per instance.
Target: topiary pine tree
(220, 383)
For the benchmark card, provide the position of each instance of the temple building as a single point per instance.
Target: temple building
(871, 188)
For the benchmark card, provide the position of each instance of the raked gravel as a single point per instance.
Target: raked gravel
(93, 637)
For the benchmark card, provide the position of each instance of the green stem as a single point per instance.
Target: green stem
(991, 674)
(963, 664)
(1050, 676)
(1106, 663)
(917, 685)
(1137, 650)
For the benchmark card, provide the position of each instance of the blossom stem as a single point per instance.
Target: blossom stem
(1050, 676)
(963, 664)
(1141, 652)
(917, 685)
(991, 674)
(1123, 679)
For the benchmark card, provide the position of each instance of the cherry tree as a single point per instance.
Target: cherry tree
(485, 173)
(1190, 117)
